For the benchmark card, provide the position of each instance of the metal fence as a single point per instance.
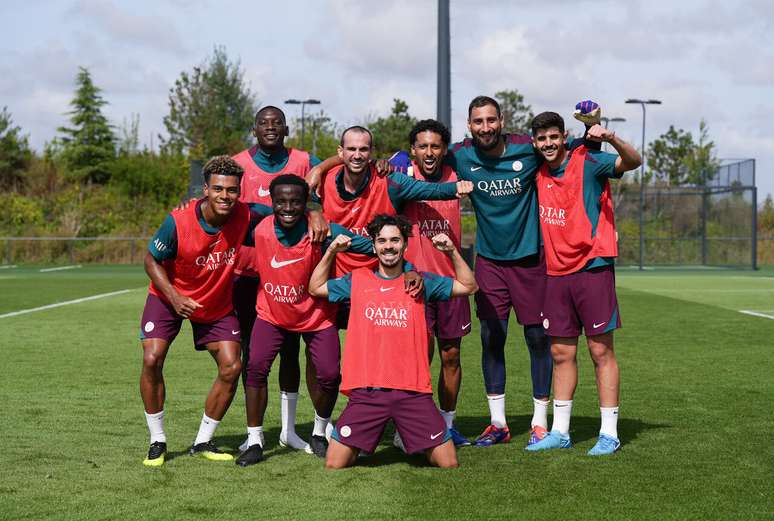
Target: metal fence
(714, 224)
(72, 250)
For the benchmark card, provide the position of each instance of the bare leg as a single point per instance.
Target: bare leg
(340, 456)
(443, 456)
(227, 356)
(563, 351)
(451, 373)
(152, 388)
(605, 367)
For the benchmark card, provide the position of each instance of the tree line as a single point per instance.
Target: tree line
(94, 178)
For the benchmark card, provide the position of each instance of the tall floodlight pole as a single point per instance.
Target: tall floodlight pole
(443, 96)
(642, 103)
(303, 104)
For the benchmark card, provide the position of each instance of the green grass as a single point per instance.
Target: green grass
(695, 422)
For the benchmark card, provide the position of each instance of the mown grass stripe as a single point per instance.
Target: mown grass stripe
(66, 303)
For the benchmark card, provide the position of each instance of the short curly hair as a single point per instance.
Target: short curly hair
(382, 220)
(431, 125)
(221, 165)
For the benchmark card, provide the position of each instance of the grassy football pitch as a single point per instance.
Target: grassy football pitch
(696, 418)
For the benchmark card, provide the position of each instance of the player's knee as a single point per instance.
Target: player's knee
(450, 463)
(329, 380)
(230, 370)
(152, 361)
(536, 338)
(602, 354)
(450, 358)
(561, 354)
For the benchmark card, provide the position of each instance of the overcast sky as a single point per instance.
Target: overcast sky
(711, 59)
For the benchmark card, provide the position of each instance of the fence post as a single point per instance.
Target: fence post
(754, 228)
(8, 252)
(704, 226)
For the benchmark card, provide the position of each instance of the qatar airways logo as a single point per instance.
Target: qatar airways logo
(359, 230)
(500, 187)
(432, 227)
(553, 216)
(216, 259)
(285, 293)
(387, 314)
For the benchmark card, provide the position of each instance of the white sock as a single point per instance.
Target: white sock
(288, 403)
(320, 425)
(609, 421)
(288, 436)
(497, 410)
(540, 413)
(155, 423)
(562, 413)
(448, 417)
(206, 430)
(254, 436)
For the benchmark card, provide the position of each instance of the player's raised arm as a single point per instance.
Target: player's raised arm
(628, 157)
(318, 282)
(464, 280)
(183, 306)
(315, 174)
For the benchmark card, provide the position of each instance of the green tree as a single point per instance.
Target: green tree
(322, 135)
(88, 147)
(517, 115)
(211, 109)
(15, 153)
(391, 133)
(676, 159)
(766, 217)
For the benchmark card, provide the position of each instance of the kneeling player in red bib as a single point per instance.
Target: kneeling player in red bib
(577, 221)
(190, 263)
(385, 367)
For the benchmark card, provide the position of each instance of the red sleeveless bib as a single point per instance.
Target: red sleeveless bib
(387, 341)
(355, 215)
(283, 296)
(429, 218)
(565, 224)
(255, 189)
(204, 265)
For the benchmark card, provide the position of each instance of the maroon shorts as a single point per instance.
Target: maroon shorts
(416, 418)
(269, 340)
(243, 298)
(159, 320)
(584, 299)
(449, 319)
(518, 284)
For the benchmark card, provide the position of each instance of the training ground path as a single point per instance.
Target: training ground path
(67, 303)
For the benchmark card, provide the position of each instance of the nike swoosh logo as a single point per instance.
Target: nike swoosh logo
(466, 326)
(262, 192)
(279, 264)
(598, 325)
(214, 243)
(234, 332)
(474, 168)
(356, 209)
(549, 185)
(385, 289)
(434, 436)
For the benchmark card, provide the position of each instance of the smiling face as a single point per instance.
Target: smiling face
(389, 246)
(270, 128)
(355, 151)
(485, 126)
(428, 149)
(222, 193)
(289, 204)
(550, 143)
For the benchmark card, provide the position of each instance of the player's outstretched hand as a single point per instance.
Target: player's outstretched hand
(383, 167)
(413, 284)
(340, 243)
(184, 306)
(588, 112)
(443, 243)
(318, 226)
(464, 188)
(600, 134)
